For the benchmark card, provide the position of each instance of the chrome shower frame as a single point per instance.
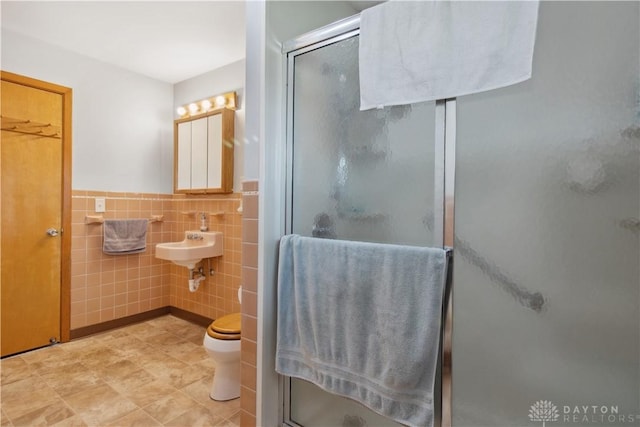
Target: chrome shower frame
(444, 180)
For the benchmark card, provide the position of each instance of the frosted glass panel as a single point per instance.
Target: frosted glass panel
(199, 153)
(547, 252)
(358, 175)
(364, 176)
(214, 159)
(184, 156)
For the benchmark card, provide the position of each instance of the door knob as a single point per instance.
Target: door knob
(52, 232)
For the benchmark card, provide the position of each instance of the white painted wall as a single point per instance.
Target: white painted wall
(122, 121)
(225, 79)
(269, 24)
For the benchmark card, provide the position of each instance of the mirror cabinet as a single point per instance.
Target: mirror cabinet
(203, 152)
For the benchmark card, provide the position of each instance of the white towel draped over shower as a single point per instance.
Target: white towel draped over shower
(415, 51)
(362, 320)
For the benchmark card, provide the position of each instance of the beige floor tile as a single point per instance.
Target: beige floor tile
(48, 359)
(156, 360)
(71, 379)
(47, 416)
(197, 355)
(100, 405)
(14, 369)
(141, 330)
(234, 413)
(182, 377)
(106, 337)
(131, 347)
(132, 381)
(175, 372)
(163, 321)
(137, 418)
(163, 339)
(184, 329)
(180, 349)
(167, 321)
(4, 420)
(171, 407)
(75, 421)
(195, 337)
(78, 345)
(99, 356)
(105, 380)
(119, 370)
(198, 417)
(42, 354)
(234, 420)
(148, 393)
(207, 365)
(24, 396)
(199, 391)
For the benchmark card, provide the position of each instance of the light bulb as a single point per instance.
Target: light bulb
(181, 111)
(220, 101)
(205, 104)
(193, 108)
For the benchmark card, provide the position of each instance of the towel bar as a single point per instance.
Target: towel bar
(99, 219)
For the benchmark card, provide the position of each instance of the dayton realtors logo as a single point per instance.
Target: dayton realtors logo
(545, 411)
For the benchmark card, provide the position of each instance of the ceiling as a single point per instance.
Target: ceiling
(170, 41)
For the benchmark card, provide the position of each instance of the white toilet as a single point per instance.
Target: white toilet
(222, 342)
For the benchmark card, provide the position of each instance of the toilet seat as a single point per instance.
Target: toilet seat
(225, 328)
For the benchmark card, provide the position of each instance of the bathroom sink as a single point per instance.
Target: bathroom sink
(195, 246)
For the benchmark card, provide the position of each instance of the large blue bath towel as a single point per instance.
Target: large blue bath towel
(362, 320)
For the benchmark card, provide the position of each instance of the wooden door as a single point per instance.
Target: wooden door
(35, 214)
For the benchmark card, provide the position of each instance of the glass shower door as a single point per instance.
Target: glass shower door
(366, 176)
(546, 319)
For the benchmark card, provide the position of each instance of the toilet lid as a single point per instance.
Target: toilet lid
(226, 328)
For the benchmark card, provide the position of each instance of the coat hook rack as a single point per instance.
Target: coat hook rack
(29, 127)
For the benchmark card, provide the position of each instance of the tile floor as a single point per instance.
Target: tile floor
(154, 373)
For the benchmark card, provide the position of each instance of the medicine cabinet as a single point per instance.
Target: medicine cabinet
(203, 152)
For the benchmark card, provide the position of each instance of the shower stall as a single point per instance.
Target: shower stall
(542, 325)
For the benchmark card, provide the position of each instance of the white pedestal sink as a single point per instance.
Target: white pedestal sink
(190, 251)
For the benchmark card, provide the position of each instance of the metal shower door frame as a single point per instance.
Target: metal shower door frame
(444, 180)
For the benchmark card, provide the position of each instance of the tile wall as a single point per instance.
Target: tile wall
(218, 294)
(249, 303)
(106, 287)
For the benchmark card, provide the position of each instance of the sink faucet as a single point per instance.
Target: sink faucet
(194, 236)
(203, 222)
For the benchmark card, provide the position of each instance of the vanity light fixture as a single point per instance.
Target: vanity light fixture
(193, 108)
(205, 104)
(220, 101)
(225, 100)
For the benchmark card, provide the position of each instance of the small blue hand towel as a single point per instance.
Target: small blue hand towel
(362, 320)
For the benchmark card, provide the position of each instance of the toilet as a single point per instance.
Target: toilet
(222, 342)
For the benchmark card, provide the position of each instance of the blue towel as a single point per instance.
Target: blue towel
(362, 320)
